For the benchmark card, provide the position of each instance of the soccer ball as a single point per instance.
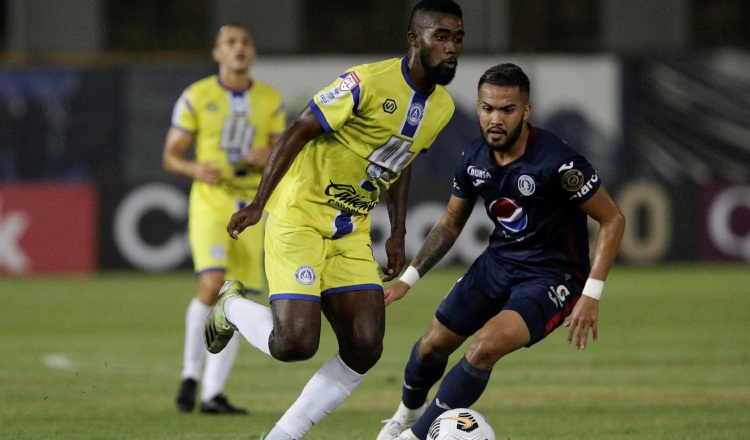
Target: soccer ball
(460, 424)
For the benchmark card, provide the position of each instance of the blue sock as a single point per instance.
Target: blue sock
(460, 388)
(419, 378)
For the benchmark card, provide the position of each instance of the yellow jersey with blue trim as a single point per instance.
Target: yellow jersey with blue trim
(227, 124)
(376, 121)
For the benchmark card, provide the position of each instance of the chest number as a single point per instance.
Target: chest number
(236, 138)
(393, 155)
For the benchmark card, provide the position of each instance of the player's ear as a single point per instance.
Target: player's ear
(526, 112)
(412, 38)
(215, 54)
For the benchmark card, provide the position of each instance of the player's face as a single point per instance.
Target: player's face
(440, 40)
(502, 111)
(235, 49)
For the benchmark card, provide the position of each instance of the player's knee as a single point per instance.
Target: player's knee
(293, 348)
(362, 354)
(431, 353)
(484, 352)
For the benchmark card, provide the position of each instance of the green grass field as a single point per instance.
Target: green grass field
(99, 357)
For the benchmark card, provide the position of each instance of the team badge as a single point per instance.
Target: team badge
(526, 185)
(572, 180)
(414, 115)
(218, 252)
(305, 275)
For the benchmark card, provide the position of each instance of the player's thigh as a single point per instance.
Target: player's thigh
(543, 303)
(350, 265)
(475, 298)
(294, 260)
(209, 241)
(245, 259)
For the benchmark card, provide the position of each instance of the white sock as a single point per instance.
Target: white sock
(195, 351)
(327, 389)
(278, 434)
(404, 414)
(217, 369)
(254, 321)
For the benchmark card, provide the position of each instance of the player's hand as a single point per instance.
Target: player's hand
(394, 249)
(395, 292)
(206, 172)
(585, 317)
(245, 217)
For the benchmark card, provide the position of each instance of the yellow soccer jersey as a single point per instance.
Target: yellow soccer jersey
(226, 124)
(376, 122)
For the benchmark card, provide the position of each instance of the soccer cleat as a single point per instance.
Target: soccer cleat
(220, 405)
(407, 435)
(392, 429)
(402, 420)
(217, 331)
(185, 400)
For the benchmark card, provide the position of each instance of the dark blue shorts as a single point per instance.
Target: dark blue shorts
(544, 300)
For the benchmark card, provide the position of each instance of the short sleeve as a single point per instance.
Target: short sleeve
(577, 179)
(335, 104)
(183, 114)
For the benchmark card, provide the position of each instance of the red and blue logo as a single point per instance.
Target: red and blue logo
(509, 214)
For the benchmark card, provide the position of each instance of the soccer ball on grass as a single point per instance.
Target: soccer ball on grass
(460, 424)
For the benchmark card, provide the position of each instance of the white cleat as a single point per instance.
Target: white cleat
(400, 422)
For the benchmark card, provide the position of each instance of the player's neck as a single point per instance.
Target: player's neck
(515, 151)
(238, 81)
(417, 74)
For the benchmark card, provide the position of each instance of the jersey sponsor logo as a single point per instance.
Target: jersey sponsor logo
(511, 216)
(345, 197)
(349, 82)
(478, 172)
(389, 106)
(329, 97)
(415, 113)
(526, 185)
(586, 187)
(305, 275)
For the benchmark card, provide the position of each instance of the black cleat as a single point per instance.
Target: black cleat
(220, 405)
(185, 400)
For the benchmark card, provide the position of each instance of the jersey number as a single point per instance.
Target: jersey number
(393, 155)
(236, 138)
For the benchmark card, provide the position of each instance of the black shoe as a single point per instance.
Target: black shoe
(220, 405)
(185, 400)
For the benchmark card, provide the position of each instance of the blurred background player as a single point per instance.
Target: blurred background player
(233, 120)
(538, 192)
(354, 141)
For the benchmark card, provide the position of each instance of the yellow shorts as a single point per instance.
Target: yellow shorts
(214, 249)
(303, 264)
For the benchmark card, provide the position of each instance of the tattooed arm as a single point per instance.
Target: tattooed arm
(437, 243)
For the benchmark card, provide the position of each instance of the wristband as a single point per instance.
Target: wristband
(410, 276)
(593, 288)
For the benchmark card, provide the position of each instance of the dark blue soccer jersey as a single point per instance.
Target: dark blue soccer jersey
(534, 203)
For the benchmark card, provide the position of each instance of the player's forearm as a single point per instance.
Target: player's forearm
(396, 202)
(437, 244)
(607, 243)
(179, 165)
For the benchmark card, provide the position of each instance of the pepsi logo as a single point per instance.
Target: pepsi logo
(511, 216)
